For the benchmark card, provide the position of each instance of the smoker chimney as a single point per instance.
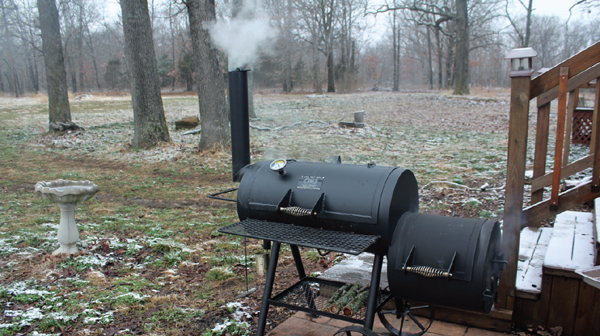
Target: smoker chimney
(240, 124)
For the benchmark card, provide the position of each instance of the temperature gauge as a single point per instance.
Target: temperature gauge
(278, 165)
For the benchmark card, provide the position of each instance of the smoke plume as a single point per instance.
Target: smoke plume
(243, 35)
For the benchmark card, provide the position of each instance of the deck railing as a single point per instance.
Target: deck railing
(561, 82)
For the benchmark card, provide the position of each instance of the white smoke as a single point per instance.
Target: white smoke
(244, 35)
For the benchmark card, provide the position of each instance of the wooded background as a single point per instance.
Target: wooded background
(319, 45)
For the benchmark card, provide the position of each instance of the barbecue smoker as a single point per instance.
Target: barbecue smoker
(353, 209)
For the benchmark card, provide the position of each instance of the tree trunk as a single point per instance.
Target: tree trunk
(19, 87)
(73, 74)
(91, 46)
(439, 45)
(429, 58)
(172, 42)
(528, 24)
(9, 49)
(450, 56)
(56, 76)
(316, 68)
(210, 79)
(330, 71)
(150, 126)
(1, 82)
(32, 76)
(287, 83)
(461, 68)
(395, 51)
(80, 51)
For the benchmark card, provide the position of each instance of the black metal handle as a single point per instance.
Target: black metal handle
(214, 196)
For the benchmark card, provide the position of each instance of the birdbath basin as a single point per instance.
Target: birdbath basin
(67, 194)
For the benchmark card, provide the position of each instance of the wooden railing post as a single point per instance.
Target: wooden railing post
(573, 101)
(596, 138)
(515, 174)
(541, 149)
(560, 137)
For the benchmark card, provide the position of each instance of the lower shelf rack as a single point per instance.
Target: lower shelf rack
(312, 295)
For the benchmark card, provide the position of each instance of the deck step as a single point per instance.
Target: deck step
(532, 250)
(572, 244)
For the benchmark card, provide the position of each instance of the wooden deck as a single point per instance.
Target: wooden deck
(301, 324)
(550, 293)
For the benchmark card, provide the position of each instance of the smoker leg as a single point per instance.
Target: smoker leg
(264, 308)
(372, 303)
(302, 274)
(298, 261)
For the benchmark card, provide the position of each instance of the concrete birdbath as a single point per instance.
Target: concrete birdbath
(67, 194)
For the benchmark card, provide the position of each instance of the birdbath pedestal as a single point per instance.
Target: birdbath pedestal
(67, 194)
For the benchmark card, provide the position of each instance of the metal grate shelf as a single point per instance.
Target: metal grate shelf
(312, 296)
(337, 241)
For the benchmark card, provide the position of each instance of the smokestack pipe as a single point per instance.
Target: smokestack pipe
(240, 123)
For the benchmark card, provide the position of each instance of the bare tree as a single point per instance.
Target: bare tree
(211, 82)
(8, 42)
(443, 12)
(396, 49)
(586, 4)
(349, 18)
(282, 17)
(150, 126)
(58, 100)
(523, 37)
(319, 18)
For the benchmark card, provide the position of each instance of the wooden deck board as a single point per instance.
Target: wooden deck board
(534, 244)
(572, 243)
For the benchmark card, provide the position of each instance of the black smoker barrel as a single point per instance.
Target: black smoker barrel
(447, 261)
(240, 125)
(363, 199)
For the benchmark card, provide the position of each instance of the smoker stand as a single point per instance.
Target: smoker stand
(311, 294)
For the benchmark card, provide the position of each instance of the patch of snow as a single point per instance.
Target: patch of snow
(134, 295)
(63, 317)
(51, 225)
(22, 287)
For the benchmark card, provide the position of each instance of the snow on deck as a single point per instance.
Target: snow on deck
(534, 243)
(572, 243)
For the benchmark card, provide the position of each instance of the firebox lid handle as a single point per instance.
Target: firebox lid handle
(451, 267)
(337, 160)
(319, 206)
(409, 260)
(286, 201)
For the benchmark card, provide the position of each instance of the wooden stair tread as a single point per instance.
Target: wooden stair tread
(532, 250)
(572, 243)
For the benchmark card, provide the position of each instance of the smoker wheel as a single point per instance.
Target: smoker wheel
(402, 311)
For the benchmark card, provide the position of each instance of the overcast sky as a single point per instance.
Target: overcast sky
(559, 8)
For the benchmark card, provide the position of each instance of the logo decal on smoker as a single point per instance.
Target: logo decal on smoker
(310, 182)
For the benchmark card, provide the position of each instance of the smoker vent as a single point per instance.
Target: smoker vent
(313, 294)
(338, 241)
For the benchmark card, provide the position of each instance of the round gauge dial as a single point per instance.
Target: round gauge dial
(277, 165)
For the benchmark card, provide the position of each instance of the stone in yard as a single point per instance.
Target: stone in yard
(187, 122)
